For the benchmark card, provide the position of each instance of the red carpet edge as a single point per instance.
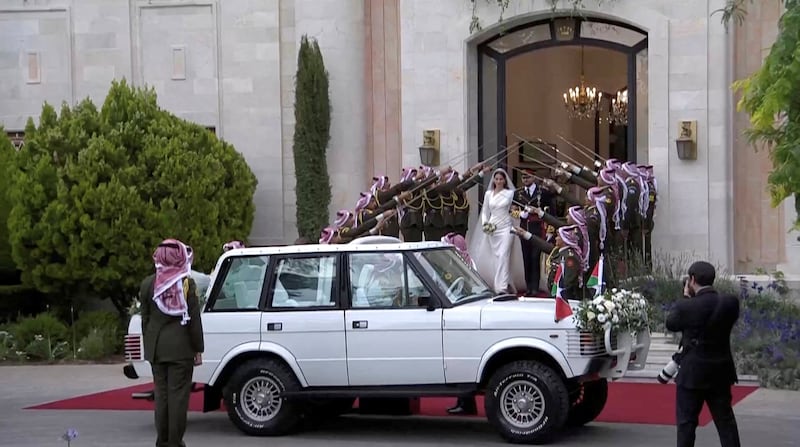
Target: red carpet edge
(628, 403)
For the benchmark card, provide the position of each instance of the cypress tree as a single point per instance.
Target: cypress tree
(312, 113)
(7, 153)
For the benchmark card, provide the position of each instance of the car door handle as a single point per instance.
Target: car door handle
(274, 326)
(360, 324)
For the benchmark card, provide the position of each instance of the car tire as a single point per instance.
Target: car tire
(253, 402)
(526, 402)
(591, 400)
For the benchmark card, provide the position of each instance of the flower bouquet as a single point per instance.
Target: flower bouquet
(489, 228)
(621, 310)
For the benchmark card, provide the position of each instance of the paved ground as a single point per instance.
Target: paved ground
(766, 417)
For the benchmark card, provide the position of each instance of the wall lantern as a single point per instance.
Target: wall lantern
(429, 151)
(686, 144)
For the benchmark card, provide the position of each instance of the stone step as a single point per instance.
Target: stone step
(649, 375)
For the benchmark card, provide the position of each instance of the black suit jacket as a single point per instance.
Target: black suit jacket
(165, 339)
(706, 321)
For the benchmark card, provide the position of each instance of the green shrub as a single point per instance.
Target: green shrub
(94, 191)
(98, 344)
(107, 323)
(43, 326)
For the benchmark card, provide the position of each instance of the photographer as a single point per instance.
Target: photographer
(707, 371)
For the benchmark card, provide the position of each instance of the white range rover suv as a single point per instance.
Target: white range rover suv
(299, 330)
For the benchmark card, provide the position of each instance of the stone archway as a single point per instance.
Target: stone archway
(508, 74)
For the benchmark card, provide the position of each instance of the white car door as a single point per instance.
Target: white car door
(391, 339)
(303, 316)
(232, 318)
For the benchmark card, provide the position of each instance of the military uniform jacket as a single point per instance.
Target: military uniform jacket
(572, 271)
(165, 339)
(649, 222)
(632, 219)
(434, 203)
(539, 199)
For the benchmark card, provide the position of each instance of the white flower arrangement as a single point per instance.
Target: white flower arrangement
(621, 310)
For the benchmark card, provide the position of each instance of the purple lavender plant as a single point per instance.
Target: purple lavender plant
(69, 436)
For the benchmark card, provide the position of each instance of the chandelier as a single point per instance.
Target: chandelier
(619, 108)
(581, 101)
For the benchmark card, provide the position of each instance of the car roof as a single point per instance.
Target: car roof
(365, 246)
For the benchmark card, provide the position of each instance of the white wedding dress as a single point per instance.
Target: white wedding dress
(497, 256)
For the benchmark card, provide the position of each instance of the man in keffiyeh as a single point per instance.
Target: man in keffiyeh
(173, 336)
(232, 245)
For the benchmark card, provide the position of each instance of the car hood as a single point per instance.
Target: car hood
(523, 313)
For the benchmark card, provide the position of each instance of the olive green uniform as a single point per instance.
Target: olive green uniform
(170, 348)
(572, 272)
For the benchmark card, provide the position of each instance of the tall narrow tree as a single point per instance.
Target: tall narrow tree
(312, 113)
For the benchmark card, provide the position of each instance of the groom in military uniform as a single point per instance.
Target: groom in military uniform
(530, 196)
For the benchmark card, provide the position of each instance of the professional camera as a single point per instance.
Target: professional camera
(671, 370)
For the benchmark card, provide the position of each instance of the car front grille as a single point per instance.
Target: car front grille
(587, 344)
(133, 347)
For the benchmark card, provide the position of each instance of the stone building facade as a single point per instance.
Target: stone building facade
(398, 67)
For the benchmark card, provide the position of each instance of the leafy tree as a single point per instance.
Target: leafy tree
(770, 97)
(95, 191)
(7, 153)
(312, 112)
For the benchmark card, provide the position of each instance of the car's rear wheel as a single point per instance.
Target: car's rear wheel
(526, 402)
(253, 398)
(589, 402)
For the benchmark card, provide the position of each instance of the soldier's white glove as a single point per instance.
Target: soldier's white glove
(528, 209)
(523, 215)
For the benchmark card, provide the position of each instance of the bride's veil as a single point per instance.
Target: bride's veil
(480, 250)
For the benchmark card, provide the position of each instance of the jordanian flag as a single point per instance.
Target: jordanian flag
(595, 281)
(563, 309)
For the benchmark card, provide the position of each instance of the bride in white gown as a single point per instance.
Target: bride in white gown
(491, 242)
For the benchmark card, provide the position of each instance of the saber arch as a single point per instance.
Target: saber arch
(400, 67)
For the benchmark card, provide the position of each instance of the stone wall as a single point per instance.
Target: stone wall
(760, 230)
(688, 78)
(228, 65)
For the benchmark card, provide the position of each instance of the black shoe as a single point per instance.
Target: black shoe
(461, 411)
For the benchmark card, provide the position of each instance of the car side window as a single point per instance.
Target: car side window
(242, 284)
(384, 280)
(304, 282)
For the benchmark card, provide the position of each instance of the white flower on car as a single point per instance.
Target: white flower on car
(590, 315)
(609, 305)
(615, 319)
(602, 318)
(600, 308)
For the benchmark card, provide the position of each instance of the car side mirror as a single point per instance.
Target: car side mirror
(426, 302)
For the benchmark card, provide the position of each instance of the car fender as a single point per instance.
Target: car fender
(265, 347)
(525, 342)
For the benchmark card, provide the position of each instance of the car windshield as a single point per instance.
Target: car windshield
(452, 275)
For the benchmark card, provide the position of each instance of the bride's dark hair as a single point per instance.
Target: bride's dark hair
(505, 177)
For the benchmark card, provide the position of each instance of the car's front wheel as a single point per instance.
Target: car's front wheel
(526, 402)
(253, 398)
(589, 402)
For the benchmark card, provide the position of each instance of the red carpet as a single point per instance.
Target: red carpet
(632, 403)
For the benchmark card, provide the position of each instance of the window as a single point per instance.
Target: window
(242, 285)
(454, 278)
(385, 280)
(304, 282)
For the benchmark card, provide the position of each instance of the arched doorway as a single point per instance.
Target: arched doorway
(524, 72)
